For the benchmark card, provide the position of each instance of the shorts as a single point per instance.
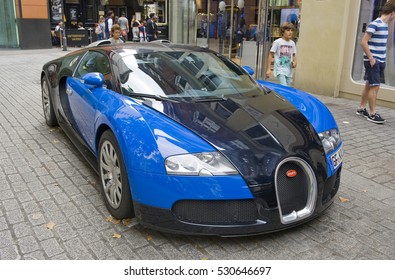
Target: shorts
(374, 73)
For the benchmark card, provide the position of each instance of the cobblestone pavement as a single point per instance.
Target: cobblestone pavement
(50, 206)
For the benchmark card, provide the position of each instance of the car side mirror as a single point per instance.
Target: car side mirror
(93, 79)
(249, 70)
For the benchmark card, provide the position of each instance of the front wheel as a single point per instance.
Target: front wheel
(113, 178)
(49, 113)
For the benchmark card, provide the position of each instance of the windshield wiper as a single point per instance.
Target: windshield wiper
(208, 99)
(150, 96)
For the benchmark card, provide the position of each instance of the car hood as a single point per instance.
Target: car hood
(254, 132)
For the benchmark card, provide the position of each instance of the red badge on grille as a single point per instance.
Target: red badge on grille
(291, 173)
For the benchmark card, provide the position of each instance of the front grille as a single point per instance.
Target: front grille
(216, 212)
(292, 192)
(296, 196)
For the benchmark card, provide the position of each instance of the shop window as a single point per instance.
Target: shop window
(159, 8)
(89, 11)
(370, 10)
(281, 11)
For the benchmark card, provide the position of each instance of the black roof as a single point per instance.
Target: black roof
(146, 47)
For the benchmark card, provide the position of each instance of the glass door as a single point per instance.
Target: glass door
(8, 28)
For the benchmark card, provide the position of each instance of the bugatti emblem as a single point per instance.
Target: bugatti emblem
(291, 173)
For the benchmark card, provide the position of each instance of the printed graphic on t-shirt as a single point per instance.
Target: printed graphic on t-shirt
(285, 55)
(284, 52)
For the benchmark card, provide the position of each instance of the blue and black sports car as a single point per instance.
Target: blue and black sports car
(186, 141)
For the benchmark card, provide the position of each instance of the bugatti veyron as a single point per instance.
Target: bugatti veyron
(186, 141)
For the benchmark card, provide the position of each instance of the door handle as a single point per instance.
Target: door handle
(69, 91)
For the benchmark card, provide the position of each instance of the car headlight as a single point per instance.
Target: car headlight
(200, 164)
(330, 139)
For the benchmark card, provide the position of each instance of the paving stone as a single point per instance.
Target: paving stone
(24, 196)
(49, 205)
(149, 253)
(51, 248)
(78, 221)
(11, 204)
(89, 235)
(37, 255)
(62, 256)
(22, 229)
(36, 218)
(3, 223)
(77, 250)
(9, 253)
(61, 198)
(125, 253)
(170, 252)
(7, 194)
(100, 250)
(65, 231)
(42, 195)
(27, 244)
(42, 232)
(69, 209)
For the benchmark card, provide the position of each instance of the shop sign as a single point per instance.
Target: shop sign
(77, 38)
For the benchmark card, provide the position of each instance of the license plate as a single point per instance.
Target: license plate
(337, 157)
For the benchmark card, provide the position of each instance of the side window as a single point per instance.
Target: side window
(94, 62)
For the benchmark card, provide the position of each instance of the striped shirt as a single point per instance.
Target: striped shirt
(378, 42)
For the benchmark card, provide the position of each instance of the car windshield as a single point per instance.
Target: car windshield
(185, 75)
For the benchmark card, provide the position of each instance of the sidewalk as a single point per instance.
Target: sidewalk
(51, 208)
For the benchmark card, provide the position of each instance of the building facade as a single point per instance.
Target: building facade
(327, 35)
(329, 52)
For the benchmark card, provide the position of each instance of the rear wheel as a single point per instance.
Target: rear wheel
(49, 113)
(113, 178)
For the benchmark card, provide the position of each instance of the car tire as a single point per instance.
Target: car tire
(49, 113)
(114, 183)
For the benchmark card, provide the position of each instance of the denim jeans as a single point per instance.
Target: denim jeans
(284, 80)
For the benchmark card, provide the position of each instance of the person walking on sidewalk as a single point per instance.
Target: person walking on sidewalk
(284, 52)
(374, 45)
(151, 28)
(124, 24)
(108, 22)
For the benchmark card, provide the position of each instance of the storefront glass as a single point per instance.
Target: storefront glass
(245, 32)
(369, 11)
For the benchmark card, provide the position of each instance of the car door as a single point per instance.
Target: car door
(85, 99)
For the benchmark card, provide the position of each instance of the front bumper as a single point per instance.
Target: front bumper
(229, 217)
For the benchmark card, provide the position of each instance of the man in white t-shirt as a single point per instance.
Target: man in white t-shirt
(124, 24)
(108, 24)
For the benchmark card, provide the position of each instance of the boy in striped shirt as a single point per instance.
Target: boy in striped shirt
(374, 45)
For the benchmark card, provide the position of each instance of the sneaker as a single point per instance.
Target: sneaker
(376, 118)
(362, 112)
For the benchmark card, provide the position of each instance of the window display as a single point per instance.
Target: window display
(159, 8)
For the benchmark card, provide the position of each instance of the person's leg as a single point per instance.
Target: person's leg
(372, 96)
(282, 80)
(288, 81)
(364, 97)
(374, 82)
(369, 72)
(361, 110)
